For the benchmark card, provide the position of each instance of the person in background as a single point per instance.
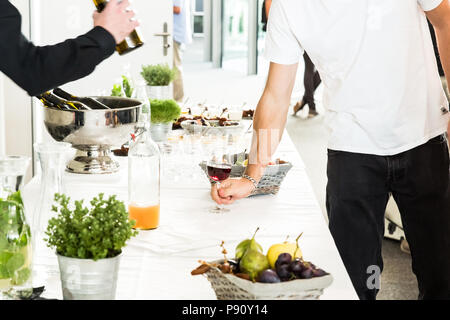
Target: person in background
(311, 81)
(265, 13)
(37, 69)
(182, 36)
(386, 116)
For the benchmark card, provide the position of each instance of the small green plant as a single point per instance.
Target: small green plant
(98, 232)
(158, 75)
(127, 88)
(123, 89)
(117, 91)
(164, 111)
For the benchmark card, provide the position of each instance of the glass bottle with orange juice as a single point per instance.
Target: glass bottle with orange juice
(144, 180)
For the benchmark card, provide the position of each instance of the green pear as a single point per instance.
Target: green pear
(253, 263)
(246, 245)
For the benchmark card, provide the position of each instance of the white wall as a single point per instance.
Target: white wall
(17, 111)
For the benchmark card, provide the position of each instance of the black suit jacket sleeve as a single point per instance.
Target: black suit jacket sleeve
(38, 69)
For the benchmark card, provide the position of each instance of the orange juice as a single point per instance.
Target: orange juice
(147, 218)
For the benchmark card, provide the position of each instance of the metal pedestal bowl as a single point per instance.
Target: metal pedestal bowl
(93, 132)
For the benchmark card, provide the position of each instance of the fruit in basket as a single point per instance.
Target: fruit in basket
(234, 266)
(247, 244)
(253, 263)
(286, 247)
(297, 267)
(307, 273)
(318, 273)
(269, 276)
(285, 273)
(283, 258)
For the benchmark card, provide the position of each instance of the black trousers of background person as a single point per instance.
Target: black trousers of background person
(311, 82)
(359, 186)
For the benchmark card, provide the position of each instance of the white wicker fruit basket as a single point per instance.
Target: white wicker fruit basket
(231, 287)
(271, 181)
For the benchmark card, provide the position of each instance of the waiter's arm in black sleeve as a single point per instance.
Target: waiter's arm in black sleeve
(38, 69)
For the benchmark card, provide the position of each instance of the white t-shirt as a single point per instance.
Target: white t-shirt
(383, 93)
(182, 31)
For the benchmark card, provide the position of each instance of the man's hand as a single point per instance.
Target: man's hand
(231, 190)
(116, 19)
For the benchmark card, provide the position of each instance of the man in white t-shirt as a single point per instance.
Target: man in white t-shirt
(182, 35)
(386, 113)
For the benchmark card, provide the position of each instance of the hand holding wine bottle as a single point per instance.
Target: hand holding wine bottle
(115, 18)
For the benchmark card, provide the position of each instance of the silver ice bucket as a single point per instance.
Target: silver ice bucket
(94, 132)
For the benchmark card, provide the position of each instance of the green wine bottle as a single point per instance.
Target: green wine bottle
(87, 101)
(132, 42)
(50, 100)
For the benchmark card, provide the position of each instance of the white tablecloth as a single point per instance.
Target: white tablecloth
(157, 264)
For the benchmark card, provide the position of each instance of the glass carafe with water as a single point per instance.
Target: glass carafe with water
(15, 236)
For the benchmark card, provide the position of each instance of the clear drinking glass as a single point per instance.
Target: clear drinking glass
(15, 235)
(53, 158)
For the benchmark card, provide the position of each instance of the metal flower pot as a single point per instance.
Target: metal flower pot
(160, 131)
(85, 279)
(160, 92)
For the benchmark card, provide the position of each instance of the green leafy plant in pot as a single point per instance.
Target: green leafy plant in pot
(158, 78)
(163, 114)
(124, 89)
(88, 243)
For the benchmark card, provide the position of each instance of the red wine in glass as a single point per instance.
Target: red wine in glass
(219, 172)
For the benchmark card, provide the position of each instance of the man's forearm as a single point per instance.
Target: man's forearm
(269, 123)
(270, 117)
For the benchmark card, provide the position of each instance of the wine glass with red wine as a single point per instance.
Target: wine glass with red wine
(219, 169)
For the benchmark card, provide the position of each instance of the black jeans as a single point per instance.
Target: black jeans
(311, 82)
(359, 186)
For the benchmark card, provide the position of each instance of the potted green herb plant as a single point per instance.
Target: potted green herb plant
(163, 114)
(158, 78)
(88, 243)
(124, 89)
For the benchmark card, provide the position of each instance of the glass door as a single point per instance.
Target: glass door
(235, 35)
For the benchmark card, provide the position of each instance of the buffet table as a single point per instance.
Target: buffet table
(157, 264)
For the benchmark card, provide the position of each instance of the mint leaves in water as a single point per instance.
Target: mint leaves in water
(15, 246)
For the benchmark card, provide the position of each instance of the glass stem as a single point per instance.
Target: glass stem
(218, 184)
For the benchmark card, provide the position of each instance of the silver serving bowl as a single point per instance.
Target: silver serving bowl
(93, 132)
